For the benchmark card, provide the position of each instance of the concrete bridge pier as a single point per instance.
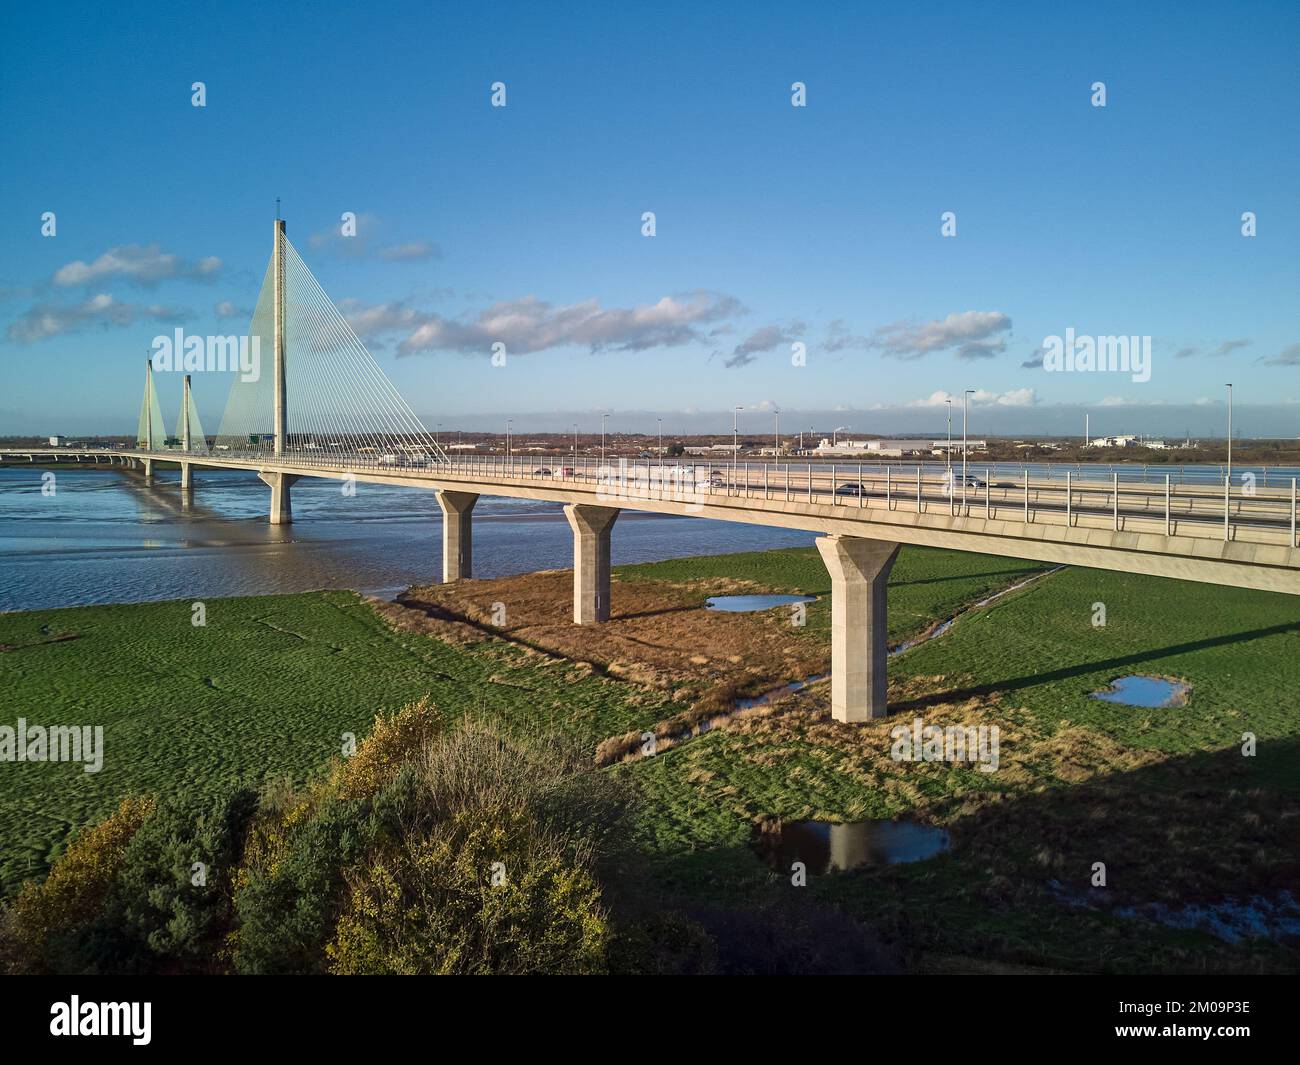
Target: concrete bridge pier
(591, 527)
(148, 471)
(457, 534)
(281, 509)
(859, 570)
(187, 485)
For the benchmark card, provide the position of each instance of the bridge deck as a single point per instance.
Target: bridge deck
(1190, 531)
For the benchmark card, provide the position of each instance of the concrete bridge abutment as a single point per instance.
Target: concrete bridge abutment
(859, 570)
(457, 534)
(281, 507)
(591, 528)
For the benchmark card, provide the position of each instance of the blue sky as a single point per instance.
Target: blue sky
(775, 224)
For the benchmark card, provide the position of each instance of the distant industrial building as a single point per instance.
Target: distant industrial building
(1128, 440)
(892, 448)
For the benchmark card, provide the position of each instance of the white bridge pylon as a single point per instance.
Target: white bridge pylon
(314, 391)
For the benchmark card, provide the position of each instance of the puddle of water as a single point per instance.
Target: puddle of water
(824, 847)
(747, 702)
(739, 604)
(1145, 691)
(1230, 919)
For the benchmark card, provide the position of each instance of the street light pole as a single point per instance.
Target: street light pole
(964, 397)
(661, 438)
(776, 413)
(735, 441)
(602, 438)
(509, 422)
(575, 446)
(948, 453)
(1230, 432)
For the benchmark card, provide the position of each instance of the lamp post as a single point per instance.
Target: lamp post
(948, 453)
(776, 439)
(602, 438)
(661, 438)
(1230, 432)
(735, 440)
(964, 398)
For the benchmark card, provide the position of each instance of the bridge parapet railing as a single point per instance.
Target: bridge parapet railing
(1247, 510)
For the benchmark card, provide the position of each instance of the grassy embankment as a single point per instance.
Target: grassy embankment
(267, 688)
(1164, 797)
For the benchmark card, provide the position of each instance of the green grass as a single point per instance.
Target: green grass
(925, 586)
(1239, 649)
(266, 689)
(1038, 655)
(269, 686)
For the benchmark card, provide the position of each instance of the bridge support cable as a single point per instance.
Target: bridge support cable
(339, 405)
(189, 430)
(150, 433)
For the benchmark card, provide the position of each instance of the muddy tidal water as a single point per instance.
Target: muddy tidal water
(103, 536)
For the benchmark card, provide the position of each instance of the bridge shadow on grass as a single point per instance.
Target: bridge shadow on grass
(615, 615)
(1022, 571)
(1083, 669)
(1210, 838)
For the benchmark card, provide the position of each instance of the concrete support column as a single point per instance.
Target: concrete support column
(148, 471)
(457, 534)
(186, 484)
(859, 571)
(281, 509)
(591, 527)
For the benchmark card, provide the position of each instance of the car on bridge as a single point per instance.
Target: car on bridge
(852, 488)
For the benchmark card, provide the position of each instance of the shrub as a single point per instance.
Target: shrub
(388, 868)
(49, 917)
(286, 908)
(480, 895)
(171, 903)
(392, 742)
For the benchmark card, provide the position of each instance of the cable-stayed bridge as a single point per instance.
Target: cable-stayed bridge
(308, 400)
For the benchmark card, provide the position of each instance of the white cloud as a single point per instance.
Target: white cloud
(530, 325)
(972, 333)
(414, 251)
(226, 309)
(765, 339)
(48, 320)
(1288, 356)
(1016, 397)
(140, 264)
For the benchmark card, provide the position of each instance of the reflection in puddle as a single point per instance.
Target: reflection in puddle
(1146, 691)
(738, 604)
(746, 702)
(823, 847)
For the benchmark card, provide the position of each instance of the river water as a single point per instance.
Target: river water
(103, 536)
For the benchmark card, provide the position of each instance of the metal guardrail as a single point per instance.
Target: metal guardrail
(1034, 495)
